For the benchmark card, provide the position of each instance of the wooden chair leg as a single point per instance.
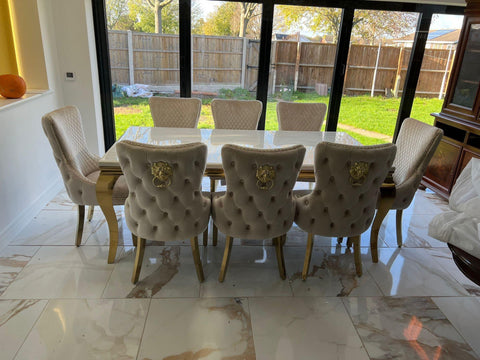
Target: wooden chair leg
(205, 237)
(214, 228)
(357, 254)
(339, 240)
(277, 242)
(196, 258)
(81, 219)
(226, 258)
(134, 240)
(308, 256)
(349, 243)
(399, 228)
(90, 213)
(138, 259)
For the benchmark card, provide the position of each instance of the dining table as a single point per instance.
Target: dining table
(110, 169)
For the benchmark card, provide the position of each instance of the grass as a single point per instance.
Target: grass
(376, 114)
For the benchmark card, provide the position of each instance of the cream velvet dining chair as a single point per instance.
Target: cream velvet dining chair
(416, 144)
(165, 201)
(300, 116)
(78, 166)
(258, 201)
(236, 114)
(175, 112)
(343, 201)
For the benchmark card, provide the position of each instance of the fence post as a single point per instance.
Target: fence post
(372, 94)
(297, 62)
(399, 71)
(273, 67)
(131, 69)
(244, 63)
(445, 73)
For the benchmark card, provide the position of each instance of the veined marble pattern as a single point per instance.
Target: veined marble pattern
(12, 260)
(178, 329)
(62, 302)
(87, 329)
(17, 318)
(406, 328)
(304, 328)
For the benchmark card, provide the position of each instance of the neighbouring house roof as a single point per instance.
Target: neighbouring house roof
(443, 35)
(293, 37)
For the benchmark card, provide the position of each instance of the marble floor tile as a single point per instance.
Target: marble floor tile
(331, 273)
(17, 317)
(51, 227)
(207, 329)
(426, 202)
(167, 271)
(444, 258)
(252, 271)
(464, 314)
(87, 329)
(101, 237)
(414, 231)
(406, 328)
(12, 260)
(303, 328)
(62, 272)
(62, 202)
(412, 272)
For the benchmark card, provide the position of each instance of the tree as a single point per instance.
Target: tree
(248, 12)
(157, 7)
(370, 25)
(116, 11)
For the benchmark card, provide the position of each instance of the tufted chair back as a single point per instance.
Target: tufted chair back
(258, 202)
(300, 116)
(165, 201)
(236, 114)
(64, 131)
(175, 112)
(416, 144)
(348, 180)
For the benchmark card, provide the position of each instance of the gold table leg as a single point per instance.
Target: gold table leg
(104, 189)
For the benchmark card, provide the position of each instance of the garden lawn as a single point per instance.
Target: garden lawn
(376, 114)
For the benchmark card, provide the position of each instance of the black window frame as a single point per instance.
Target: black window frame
(425, 14)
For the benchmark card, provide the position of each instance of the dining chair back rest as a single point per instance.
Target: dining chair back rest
(236, 114)
(348, 180)
(300, 116)
(64, 131)
(175, 112)
(165, 201)
(416, 144)
(258, 202)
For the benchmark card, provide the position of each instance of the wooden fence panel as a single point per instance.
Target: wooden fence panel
(219, 61)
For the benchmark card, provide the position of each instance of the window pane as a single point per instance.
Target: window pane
(303, 55)
(144, 58)
(225, 46)
(436, 66)
(375, 74)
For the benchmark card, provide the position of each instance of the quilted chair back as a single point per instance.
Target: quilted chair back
(165, 201)
(64, 131)
(416, 144)
(300, 116)
(175, 112)
(236, 114)
(347, 184)
(258, 202)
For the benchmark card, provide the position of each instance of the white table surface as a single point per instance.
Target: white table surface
(216, 138)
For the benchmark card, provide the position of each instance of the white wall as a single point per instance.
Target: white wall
(28, 174)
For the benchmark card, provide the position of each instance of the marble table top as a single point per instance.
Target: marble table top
(216, 138)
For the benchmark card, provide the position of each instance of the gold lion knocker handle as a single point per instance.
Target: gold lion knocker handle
(162, 174)
(265, 177)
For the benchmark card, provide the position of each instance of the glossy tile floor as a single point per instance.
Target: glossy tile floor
(62, 302)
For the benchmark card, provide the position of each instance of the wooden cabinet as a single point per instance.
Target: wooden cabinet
(460, 116)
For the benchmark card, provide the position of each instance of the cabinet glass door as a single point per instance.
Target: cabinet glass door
(469, 76)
